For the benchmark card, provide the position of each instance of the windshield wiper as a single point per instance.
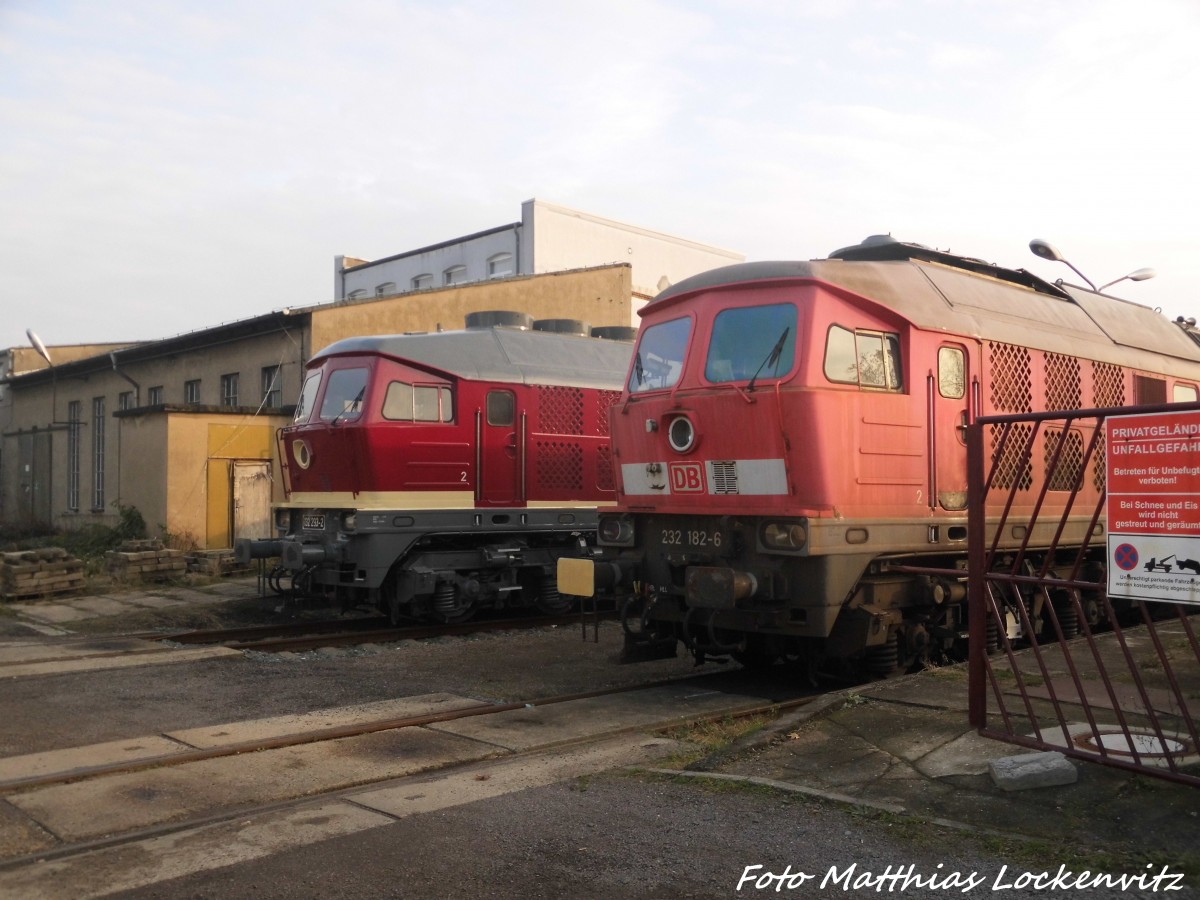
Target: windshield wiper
(354, 406)
(772, 357)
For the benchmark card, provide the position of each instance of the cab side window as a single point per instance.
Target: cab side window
(870, 359)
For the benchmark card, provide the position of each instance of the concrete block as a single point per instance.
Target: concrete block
(1032, 770)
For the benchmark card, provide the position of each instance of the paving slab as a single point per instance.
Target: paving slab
(282, 726)
(166, 656)
(158, 796)
(61, 762)
(541, 726)
(27, 652)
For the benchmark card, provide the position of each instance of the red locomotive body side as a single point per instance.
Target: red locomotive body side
(793, 434)
(429, 475)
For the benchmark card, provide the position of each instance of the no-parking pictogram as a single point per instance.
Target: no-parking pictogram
(1126, 556)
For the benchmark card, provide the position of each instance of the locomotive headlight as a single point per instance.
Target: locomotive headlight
(784, 535)
(301, 453)
(283, 519)
(681, 434)
(616, 531)
(348, 520)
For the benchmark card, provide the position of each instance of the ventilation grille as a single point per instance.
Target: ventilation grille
(605, 400)
(1108, 386)
(1066, 475)
(560, 410)
(724, 478)
(1011, 469)
(604, 469)
(1062, 382)
(1011, 384)
(559, 466)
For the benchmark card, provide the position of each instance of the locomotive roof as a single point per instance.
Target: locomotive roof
(939, 291)
(504, 355)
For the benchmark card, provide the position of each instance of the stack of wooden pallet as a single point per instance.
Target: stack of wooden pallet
(215, 562)
(39, 573)
(148, 560)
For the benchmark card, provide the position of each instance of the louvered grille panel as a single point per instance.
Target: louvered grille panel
(1066, 475)
(560, 410)
(1011, 469)
(605, 479)
(1012, 389)
(605, 400)
(559, 465)
(1108, 386)
(1062, 382)
(724, 478)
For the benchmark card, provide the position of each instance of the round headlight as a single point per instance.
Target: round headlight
(784, 535)
(615, 530)
(681, 434)
(301, 453)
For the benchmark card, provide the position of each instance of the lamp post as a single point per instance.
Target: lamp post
(1046, 250)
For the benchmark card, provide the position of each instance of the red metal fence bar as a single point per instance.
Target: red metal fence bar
(1054, 662)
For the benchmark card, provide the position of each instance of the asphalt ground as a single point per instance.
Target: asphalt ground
(887, 781)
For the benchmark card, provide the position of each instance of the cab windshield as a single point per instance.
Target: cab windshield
(344, 395)
(308, 397)
(752, 342)
(658, 362)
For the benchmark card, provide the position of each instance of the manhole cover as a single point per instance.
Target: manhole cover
(1141, 742)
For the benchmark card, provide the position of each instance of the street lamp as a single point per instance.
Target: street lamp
(1046, 250)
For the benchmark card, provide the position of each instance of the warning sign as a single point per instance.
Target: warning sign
(1154, 506)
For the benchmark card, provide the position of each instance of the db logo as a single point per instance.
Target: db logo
(687, 478)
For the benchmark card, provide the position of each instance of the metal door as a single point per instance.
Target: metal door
(251, 481)
(500, 451)
(949, 404)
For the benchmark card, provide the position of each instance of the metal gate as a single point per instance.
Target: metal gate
(1055, 663)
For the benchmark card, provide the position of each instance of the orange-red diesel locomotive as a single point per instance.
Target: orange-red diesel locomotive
(430, 475)
(792, 434)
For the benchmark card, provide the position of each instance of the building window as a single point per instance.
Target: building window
(454, 275)
(125, 400)
(272, 387)
(191, 391)
(154, 396)
(357, 295)
(74, 439)
(500, 265)
(98, 453)
(421, 282)
(383, 290)
(229, 389)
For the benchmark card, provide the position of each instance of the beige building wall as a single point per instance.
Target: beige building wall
(598, 296)
(175, 462)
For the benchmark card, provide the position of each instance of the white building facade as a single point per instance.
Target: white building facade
(549, 238)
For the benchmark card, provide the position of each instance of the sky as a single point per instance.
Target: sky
(167, 166)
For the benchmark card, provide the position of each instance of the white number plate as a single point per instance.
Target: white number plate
(314, 522)
(692, 537)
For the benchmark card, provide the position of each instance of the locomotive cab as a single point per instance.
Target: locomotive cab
(791, 446)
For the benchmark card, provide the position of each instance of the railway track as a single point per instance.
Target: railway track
(295, 637)
(126, 806)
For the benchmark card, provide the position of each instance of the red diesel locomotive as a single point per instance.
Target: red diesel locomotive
(430, 475)
(793, 433)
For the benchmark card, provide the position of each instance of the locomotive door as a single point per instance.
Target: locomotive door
(948, 419)
(500, 462)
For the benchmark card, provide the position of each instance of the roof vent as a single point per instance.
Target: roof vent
(500, 318)
(615, 332)
(563, 326)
